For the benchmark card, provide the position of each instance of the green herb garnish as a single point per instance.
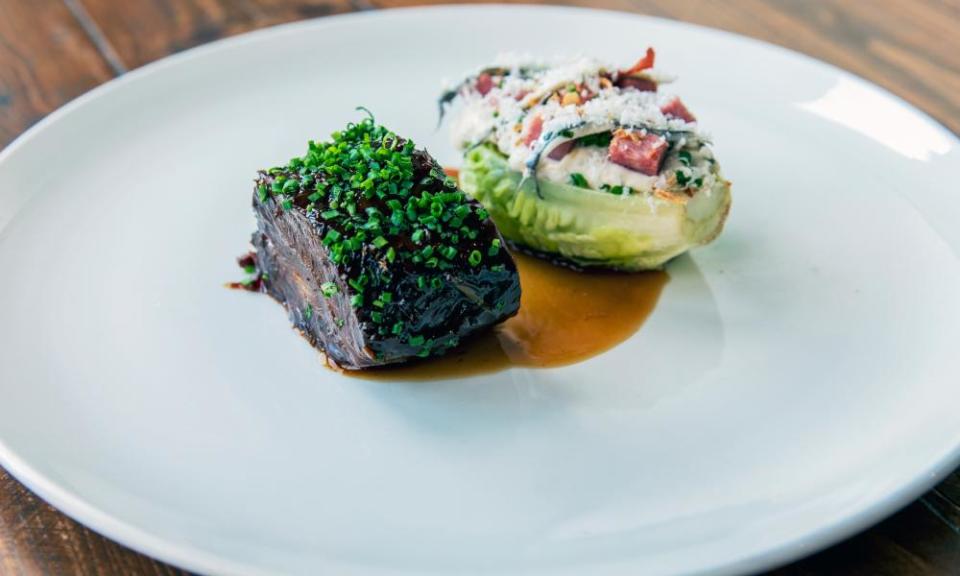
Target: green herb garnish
(620, 190)
(378, 210)
(577, 179)
(328, 289)
(601, 139)
(475, 258)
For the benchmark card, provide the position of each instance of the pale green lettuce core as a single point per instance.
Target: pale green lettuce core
(589, 227)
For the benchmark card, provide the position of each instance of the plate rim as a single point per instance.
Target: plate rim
(802, 544)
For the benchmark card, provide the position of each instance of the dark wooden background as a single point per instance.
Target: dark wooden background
(53, 50)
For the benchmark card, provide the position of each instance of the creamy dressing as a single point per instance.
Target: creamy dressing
(592, 163)
(504, 116)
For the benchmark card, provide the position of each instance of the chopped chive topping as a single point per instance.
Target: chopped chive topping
(365, 187)
(698, 182)
(331, 237)
(250, 269)
(290, 186)
(685, 157)
(682, 178)
(329, 289)
(308, 312)
(417, 340)
(577, 179)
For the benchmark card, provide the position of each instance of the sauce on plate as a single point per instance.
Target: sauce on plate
(565, 317)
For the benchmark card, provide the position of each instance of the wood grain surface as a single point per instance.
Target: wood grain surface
(53, 50)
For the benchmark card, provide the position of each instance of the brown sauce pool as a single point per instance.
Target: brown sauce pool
(565, 317)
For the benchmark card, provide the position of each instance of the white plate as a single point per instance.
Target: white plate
(796, 382)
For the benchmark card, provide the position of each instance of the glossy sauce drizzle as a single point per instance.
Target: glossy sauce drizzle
(565, 317)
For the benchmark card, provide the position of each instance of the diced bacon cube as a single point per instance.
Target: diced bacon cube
(484, 84)
(641, 83)
(644, 154)
(643, 63)
(676, 109)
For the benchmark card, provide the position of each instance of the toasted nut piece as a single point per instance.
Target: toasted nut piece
(571, 98)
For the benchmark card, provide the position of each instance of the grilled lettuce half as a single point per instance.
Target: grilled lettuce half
(591, 228)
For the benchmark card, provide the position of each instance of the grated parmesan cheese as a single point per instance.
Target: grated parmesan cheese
(532, 88)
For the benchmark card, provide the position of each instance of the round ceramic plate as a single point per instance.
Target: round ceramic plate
(796, 382)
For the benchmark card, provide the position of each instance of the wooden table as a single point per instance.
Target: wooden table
(54, 50)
